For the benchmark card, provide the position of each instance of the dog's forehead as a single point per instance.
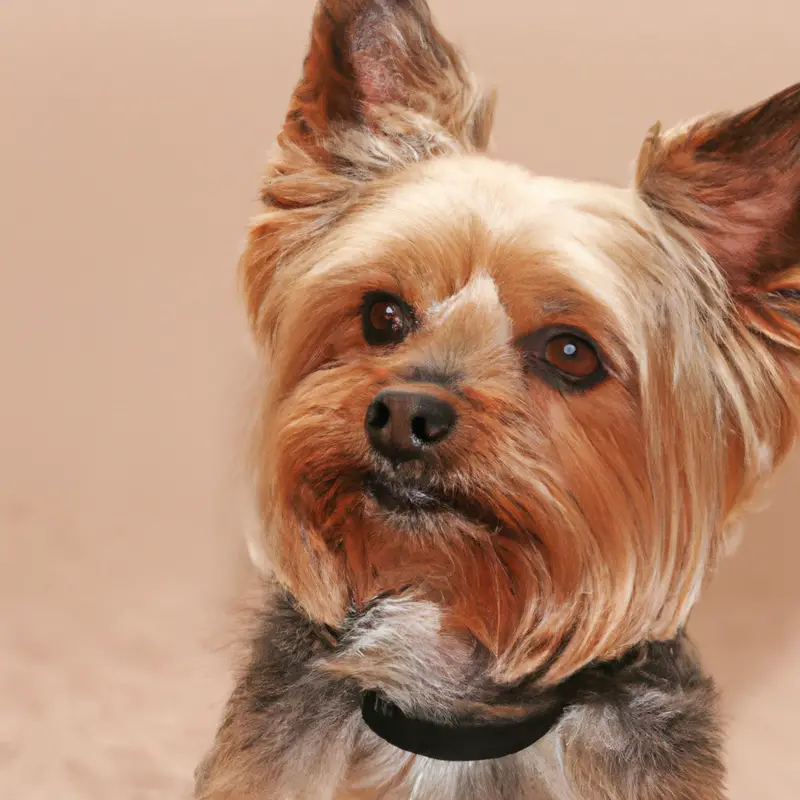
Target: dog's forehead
(473, 214)
(505, 197)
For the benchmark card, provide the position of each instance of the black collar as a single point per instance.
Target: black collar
(478, 740)
(467, 741)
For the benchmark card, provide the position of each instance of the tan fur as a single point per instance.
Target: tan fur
(597, 515)
(606, 255)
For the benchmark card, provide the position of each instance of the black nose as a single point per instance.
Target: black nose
(402, 424)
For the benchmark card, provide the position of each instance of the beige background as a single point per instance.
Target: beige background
(131, 141)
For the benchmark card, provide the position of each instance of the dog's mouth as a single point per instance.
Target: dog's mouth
(419, 499)
(402, 497)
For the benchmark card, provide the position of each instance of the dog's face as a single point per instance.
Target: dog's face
(539, 403)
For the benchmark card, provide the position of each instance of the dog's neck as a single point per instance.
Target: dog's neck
(309, 681)
(471, 717)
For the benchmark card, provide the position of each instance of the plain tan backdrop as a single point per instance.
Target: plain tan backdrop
(132, 135)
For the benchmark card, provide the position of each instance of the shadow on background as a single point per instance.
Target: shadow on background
(747, 626)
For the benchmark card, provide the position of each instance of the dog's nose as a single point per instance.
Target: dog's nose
(401, 424)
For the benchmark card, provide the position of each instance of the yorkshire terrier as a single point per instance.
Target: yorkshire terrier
(509, 425)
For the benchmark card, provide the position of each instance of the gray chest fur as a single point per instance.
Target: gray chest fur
(293, 723)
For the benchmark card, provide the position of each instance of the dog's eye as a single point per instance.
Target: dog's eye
(572, 355)
(564, 356)
(385, 319)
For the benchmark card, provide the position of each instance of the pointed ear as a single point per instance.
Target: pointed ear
(369, 57)
(381, 89)
(734, 181)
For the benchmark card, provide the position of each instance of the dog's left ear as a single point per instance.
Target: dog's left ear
(734, 181)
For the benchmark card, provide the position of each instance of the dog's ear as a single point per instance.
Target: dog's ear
(381, 89)
(370, 58)
(734, 181)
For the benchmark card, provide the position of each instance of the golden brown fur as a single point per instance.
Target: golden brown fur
(577, 525)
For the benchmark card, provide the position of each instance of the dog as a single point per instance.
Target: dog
(509, 426)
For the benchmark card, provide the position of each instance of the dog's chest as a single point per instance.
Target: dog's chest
(388, 774)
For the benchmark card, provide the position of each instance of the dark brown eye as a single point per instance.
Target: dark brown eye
(385, 319)
(572, 355)
(565, 357)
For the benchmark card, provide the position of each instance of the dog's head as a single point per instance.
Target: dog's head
(540, 403)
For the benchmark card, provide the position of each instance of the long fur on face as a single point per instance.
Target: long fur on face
(573, 524)
(597, 516)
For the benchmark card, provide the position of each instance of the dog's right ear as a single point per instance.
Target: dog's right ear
(381, 89)
(383, 66)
